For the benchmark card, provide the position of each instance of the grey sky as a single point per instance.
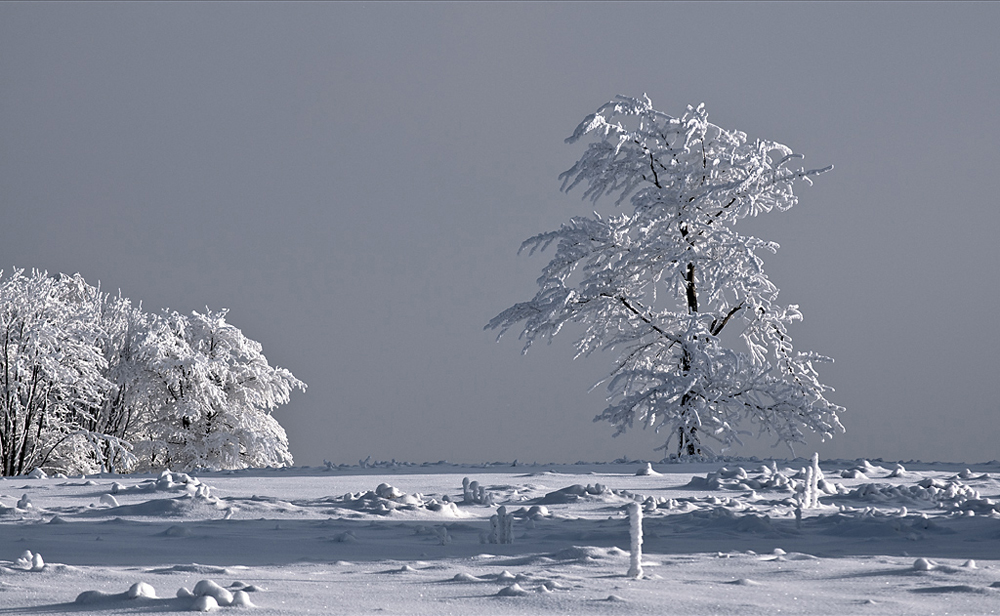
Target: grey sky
(353, 181)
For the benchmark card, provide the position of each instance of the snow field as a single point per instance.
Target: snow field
(716, 538)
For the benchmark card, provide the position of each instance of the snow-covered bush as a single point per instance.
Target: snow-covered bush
(809, 495)
(53, 371)
(662, 281)
(502, 527)
(475, 494)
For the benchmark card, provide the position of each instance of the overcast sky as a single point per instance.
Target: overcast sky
(353, 180)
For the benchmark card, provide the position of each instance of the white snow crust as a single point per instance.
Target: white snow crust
(733, 536)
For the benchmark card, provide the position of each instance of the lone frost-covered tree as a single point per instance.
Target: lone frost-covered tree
(663, 280)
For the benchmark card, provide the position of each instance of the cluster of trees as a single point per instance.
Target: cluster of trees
(668, 282)
(90, 382)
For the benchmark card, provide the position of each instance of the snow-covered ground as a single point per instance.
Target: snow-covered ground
(719, 538)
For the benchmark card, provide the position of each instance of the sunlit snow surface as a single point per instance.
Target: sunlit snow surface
(718, 538)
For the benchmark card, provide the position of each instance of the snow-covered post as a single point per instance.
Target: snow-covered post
(805, 500)
(635, 547)
(813, 482)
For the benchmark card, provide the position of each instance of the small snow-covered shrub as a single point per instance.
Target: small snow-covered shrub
(475, 494)
(809, 494)
(501, 527)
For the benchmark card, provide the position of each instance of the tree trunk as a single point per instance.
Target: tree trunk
(688, 442)
(692, 293)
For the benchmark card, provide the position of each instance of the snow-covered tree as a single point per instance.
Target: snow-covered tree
(89, 382)
(51, 370)
(214, 395)
(101, 442)
(665, 281)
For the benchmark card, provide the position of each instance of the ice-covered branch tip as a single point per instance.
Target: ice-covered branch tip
(663, 279)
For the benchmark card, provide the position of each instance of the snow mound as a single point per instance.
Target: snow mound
(192, 568)
(30, 562)
(535, 512)
(958, 588)
(345, 537)
(933, 491)
(466, 578)
(88, 597)
(182, 506)
(242, 599)
(168, 481)
(505, 576)
(587, 554)
(924, 564)
(514, 590)
(647, 471)
(726, 519)
(207, 596)
(764, 479)
(578, 492)
(872, 523)
(865, 469)
(743, 582)
(386, 499)
(211, 589)
(204, 603)
(141, 589)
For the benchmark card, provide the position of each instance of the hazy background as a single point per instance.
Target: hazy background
(353, 181)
